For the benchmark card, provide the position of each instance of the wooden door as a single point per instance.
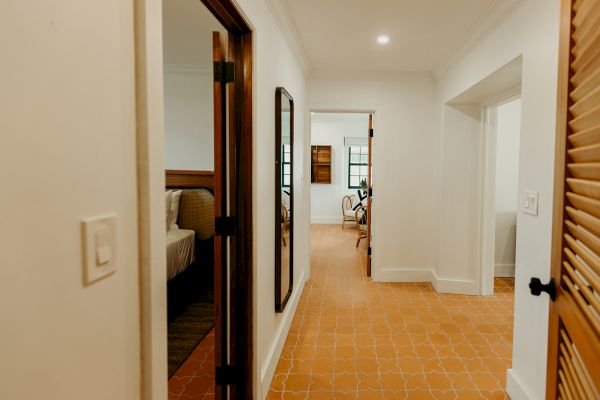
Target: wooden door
(220, 192)
(370, 195)
(574, 335)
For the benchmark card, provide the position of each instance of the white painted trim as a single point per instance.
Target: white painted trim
(367, 75)
(441, 285)
(328, 220)
(188, 69)
(515, 388)
(488, 204)
(505, 97)
(454, 286)
(150, 187)
(488, 195)
(403, 274)
(287, 26)
(496, 14)
(504, 270)
(270, 364)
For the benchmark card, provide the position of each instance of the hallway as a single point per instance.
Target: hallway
(355, 339)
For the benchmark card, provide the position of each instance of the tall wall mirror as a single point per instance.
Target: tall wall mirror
(284, 197)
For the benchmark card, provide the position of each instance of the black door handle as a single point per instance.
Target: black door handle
(536, 287)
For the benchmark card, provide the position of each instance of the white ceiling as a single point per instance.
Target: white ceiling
(341, 35)
(187, 32)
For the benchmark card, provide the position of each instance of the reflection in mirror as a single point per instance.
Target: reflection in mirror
(284, 194)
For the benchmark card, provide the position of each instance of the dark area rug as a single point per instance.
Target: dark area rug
(187, 330)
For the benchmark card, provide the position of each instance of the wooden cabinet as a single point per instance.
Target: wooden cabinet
(320, 171)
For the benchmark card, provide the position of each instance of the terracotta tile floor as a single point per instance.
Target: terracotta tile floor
(195, 379)
(355, 339)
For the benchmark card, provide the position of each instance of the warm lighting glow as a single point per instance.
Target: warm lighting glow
(383, 39)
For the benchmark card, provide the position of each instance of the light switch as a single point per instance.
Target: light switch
(530, 202)
(99, 242)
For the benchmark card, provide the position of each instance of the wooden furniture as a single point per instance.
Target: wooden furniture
(320, 171)
(185, 179)
(574, 327)
(361, 223)
(284, 172)
(348, 213)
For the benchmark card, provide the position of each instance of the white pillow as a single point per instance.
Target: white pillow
(168, 197)
(174, 210)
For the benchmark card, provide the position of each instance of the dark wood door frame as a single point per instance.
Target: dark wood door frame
(240, 195)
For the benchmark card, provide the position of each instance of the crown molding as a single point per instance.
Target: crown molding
(188, 69)
(367, 75)
(495, 15)
(287, 26)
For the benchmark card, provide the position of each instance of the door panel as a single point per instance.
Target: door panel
(369, 199)
(574, 336)
(220, 192)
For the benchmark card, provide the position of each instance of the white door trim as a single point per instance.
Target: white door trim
(150, 188)
(488, 195)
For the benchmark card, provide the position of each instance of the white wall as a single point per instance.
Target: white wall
(189, 134)
(67, 151)
(331, 129)
(538, 44)
(275, 65)
(403, 164)
(508, 134)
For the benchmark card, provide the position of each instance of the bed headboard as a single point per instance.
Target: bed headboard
(183, 179)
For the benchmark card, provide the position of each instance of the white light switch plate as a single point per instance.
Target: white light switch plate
(99, 247)
(530, 202)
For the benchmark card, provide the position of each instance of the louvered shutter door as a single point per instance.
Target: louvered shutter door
(574, 337)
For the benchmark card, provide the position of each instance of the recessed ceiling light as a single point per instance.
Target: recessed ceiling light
(383, 39)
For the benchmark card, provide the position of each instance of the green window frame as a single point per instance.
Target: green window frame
(286, 165)
(358, 166)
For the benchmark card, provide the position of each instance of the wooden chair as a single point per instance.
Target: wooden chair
(284, 223)
(360, 217)
(347, 211)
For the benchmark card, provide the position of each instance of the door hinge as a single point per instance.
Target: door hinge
(370, 192)
(224, 71)
(227, 375)
(369, 251)
(371, 132)
(225, 226)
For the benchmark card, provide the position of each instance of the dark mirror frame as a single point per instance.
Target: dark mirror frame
(280, 303)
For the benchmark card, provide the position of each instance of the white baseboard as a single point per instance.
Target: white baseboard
(270, 364)
(326, 220)
(441, 285)
(400, 274)
(504, 270)
(515, 388)
(454, 286)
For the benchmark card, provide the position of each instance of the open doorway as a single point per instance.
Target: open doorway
(503, 129)
(189, 111)
(207, 138)
(341, 184)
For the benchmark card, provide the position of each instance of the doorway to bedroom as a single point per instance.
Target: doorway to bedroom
(207, 74)
(189, 108)
(341, 180)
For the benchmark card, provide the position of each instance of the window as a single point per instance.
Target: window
(358, 166)
(286, 165)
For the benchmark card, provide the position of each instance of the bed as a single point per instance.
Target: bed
(190, 225)
(180, 251)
